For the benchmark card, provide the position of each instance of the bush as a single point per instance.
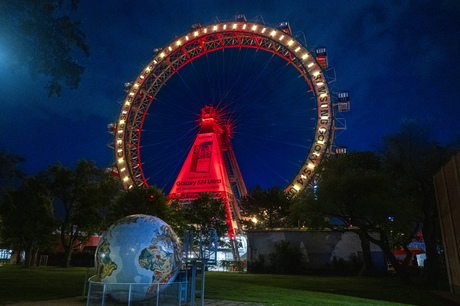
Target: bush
(225, 264)
(235, 265)
(258, 265)
(285, 259)
(340, 266)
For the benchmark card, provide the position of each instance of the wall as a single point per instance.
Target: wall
(319, 247)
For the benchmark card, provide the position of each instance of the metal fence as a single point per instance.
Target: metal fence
(176, 293)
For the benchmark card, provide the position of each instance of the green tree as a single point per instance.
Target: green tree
(270, 207)
(42, 36)
(150, 201)
(412, 157)
(356, 194)
(27, 218)
(10, 173)
(177, 218)
(81, 197)
(205, 211)
(299, 213)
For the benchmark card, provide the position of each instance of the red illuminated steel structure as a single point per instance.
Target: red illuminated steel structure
(211, 167)
(199, 41)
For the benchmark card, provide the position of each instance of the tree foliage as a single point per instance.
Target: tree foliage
(270, 207)
(150, 201)
(9, 167)
(42, 36)
(27, 220)
(412, 158)
(81, 196)
(205, 211)
(356, 194)
(10, 174)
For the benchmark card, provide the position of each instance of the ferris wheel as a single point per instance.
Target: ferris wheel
(201, 42)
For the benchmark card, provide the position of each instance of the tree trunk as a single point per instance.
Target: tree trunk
(67, 256)
(433, 261)
(34, 257)
(18, 257)
(67, 245)
(27, 258)
(384, 244)
(400, 269)
(408, 257)
(368, 268)
(29, 255)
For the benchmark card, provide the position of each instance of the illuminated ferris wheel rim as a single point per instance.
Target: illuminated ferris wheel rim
(201, 40)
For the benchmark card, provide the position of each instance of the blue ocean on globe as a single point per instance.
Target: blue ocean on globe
(138, 256)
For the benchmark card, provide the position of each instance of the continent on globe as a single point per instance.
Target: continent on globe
(105, 265)
(154, 258)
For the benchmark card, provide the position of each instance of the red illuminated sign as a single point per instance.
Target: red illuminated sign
(203, 170)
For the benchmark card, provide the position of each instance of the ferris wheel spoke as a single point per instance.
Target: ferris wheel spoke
(267, 105)
(264, 164)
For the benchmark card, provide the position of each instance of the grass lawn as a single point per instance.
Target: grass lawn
(19, 284)
(47, 283)
(316, 290)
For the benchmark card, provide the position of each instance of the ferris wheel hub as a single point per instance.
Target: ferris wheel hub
(201, 40)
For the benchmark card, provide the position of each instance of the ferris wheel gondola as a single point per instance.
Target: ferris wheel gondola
(202, 40)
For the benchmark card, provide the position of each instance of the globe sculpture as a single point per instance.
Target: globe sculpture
(137, 257)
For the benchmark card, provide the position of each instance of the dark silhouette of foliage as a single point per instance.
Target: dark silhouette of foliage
(27, 221)
(149, 201)
(257, 265)
(206, 211)
(10, 174)
(80, 196)
(285, 258)
(356, 194)
(342, 266)
(42, 36)
(412, 158)
(270, 207)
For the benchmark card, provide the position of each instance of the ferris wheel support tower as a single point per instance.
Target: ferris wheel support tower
(201, 40)
(211, 167)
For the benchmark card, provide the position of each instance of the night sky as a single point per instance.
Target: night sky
(398, 60)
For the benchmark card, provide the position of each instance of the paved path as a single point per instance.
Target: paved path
(81, 301)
